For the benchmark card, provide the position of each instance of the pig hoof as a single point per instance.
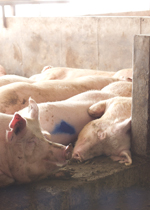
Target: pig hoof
(64, 174)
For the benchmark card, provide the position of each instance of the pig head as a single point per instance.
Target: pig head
(30, 155)
(108, 135)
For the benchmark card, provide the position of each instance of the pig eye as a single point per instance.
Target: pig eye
(31, 141)
(30, 146)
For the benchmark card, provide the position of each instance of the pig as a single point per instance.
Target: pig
(65, 119)
(120, 88)
(64, 73)
(109, 134)
(8, 79)
(26, 154)
(2, 71)
(14, 97)
(124, 73)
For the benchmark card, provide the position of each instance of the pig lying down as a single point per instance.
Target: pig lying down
(62, 74)
(65, 119)
(53, 73)
(109, 135)
(26, 154)
(56, 73)
(8, 79)
(14, 97)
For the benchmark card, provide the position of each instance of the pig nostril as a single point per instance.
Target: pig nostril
(76, 156)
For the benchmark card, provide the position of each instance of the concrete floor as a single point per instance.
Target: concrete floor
(96, 184)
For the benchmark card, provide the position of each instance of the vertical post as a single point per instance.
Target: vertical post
(141, 96)
(3, 16)
(13, 10)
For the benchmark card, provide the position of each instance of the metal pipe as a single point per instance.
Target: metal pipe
(3, 2)
(12, 3)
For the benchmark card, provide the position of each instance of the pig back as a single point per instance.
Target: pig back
(120, 88)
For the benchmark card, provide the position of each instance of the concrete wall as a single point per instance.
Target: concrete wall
(132, 13)
(105, 43)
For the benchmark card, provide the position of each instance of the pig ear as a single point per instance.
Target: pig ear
(97, 109)
(33, 109)
(16, 125)
(124, 126)
(47, 135)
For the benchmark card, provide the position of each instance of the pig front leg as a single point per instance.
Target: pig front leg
(123, 157)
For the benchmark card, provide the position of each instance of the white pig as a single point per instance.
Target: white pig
(65, 119)
(14, 97)
(65, 73)
(8, 79)
(109, 135)
(26, 154)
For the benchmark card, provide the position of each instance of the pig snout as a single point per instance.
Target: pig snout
(68, 152)
(77, 156)
(59, 153)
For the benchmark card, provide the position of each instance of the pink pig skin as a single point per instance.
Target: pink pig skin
(110, 134)
(65, 73)
(26, 154)
(74, 111)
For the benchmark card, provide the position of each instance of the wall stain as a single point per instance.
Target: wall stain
(39, 46)
(71, 58)
(17, 53)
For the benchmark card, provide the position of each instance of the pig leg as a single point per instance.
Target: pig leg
(124, 157)
(97, 109)
(63, 174)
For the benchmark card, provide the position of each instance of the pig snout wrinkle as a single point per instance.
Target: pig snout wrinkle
(64, 127)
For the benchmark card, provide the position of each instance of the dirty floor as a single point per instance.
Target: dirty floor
(99, 184)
